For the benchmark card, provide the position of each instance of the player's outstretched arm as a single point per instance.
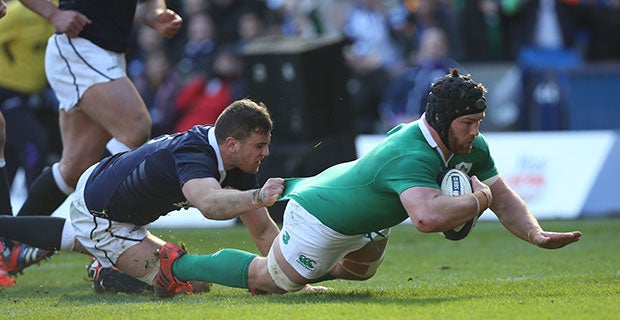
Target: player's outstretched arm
(516, 217)
(214, 202)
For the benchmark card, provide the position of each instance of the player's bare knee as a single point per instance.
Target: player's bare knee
(137, 137)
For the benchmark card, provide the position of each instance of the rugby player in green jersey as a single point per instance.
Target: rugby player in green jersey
(337, 223)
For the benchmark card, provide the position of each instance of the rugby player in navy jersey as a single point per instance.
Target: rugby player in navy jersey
(211, 168)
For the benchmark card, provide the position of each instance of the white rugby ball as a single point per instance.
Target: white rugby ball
(456, 183)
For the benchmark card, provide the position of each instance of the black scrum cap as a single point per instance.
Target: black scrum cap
(452, 96)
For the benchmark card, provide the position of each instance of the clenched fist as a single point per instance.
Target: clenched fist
(269, 193)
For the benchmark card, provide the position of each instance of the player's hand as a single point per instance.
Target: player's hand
(168, 23)
(553, 240)
(271, 191)
(69, 22)
(479, 185)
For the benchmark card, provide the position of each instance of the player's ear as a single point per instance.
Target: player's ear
(232, 144)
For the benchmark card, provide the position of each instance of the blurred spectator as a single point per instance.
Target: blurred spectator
(158, 85)
(543, 25)
(405, 97)
(373, 58)
(419, 16)
(147, 40)
(23, 35)
(204, 97)
(333, 17)
(602, 20)
(200, 46)
(226, 15)
(301, 18)
(482, 31)
(193, 7)
(545, 39)
(251, 26)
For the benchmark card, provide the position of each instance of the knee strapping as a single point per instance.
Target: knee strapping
(278, 276)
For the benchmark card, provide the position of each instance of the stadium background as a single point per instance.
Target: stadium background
(556, 141)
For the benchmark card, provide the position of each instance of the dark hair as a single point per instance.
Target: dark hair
(241, 118)
(452, 96)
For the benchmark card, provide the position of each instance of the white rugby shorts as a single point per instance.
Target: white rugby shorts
(105, 239)
(311, 247)
(72, 65)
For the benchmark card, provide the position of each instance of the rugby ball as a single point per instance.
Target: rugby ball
(456, 183)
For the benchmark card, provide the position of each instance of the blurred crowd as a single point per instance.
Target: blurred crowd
(393, 49)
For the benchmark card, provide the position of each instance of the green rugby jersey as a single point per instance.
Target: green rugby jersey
(362, 196)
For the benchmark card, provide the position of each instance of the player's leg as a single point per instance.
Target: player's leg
(88, 95)
(106, 110)
(34, 239)
(83, 141)
(362, 264)
(304, 252)
(118, 107)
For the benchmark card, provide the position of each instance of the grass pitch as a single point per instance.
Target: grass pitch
(489, 275)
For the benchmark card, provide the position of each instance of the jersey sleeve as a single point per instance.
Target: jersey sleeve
(194, 162)
(407, 171)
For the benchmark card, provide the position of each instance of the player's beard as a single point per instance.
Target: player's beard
(459, 147)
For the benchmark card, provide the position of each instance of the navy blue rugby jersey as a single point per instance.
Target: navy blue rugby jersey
(111, 21)
(141, 185)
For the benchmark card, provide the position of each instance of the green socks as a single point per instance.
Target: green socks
(228, 267)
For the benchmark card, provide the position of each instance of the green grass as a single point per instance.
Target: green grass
(489, 275)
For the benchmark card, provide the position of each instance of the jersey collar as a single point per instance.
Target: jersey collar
(429, 139)
(220, 162)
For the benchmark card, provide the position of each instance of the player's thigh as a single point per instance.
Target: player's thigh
(141, 259)
(118, 107)
(83, 143)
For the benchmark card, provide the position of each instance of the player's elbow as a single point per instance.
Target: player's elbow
(214, 214)
(427, 223)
